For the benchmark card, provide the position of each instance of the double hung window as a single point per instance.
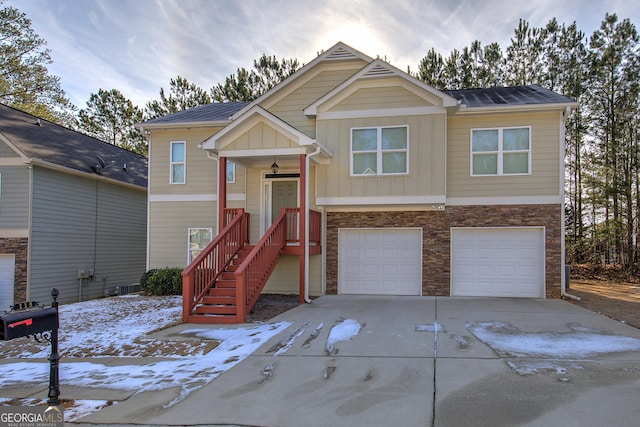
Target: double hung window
(501, 151)
(199, 238)
(380, 151)
(178, 162)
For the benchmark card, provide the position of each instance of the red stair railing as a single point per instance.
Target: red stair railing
(203, 272)
(253, 273)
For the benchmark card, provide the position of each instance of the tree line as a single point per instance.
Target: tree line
(600, 71)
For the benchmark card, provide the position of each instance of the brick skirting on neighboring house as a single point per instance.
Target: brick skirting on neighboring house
(18, 247)
(436, 237)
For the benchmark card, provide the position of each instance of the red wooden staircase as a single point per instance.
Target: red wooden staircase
(224, 282)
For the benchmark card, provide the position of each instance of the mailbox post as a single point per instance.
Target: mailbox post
(16, 324)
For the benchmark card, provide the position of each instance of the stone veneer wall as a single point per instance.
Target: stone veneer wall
(18, 247)
(436, 237)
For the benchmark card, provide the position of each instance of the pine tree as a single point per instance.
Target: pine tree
(182, 95)
(111, 117)
(25, 82)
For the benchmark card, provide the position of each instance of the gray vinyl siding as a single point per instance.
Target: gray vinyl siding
(6, 151)
(80, 223)
(14, 197)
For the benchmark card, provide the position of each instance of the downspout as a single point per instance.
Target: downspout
(563, 285)
(306, 222)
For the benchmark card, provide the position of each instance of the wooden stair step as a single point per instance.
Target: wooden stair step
(222, 292)
(216, 309)
(219, 300)
(225, 283)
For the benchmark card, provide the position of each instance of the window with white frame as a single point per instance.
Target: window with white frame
(199, 238)
(178, 162)
(380, 150)
(231, 172)
(501, 151)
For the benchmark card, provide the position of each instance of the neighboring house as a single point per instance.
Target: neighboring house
(398, 188)
(72, 213)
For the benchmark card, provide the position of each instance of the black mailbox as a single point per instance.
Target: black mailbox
(23, 323)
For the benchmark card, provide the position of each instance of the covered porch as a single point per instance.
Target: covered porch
(276, 218)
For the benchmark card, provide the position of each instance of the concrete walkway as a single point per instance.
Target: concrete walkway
(414, 362)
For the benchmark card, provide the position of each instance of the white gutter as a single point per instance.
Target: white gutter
(306, 223)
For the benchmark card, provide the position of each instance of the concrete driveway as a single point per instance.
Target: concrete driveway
(418, 361)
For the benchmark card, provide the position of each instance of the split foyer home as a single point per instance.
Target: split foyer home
(73, 213)
(353, 177)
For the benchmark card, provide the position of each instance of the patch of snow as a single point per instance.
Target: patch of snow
(82, 408)
(530, 367)
(507, 340)
(115, 326)
(436, 327)
(343, 331)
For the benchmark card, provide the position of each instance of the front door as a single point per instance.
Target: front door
(278, 193)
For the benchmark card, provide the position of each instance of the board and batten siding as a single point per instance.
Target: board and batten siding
(291, 106)
(426, 147)
(14, 197)
(545, 157)
(261, 136)
(80, 223)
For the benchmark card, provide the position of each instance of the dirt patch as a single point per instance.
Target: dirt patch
(269, 306)
(607, 290)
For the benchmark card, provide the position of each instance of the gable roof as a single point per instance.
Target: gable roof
(338, 52)
(381, 69)
(263, 116)
(50, 144)
(217, 112)
(531, 95)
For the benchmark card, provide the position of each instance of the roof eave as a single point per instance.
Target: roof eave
(75, 172)
(515, 108)
(181, 125)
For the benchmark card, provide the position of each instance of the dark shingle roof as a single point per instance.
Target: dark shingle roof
(508, 96)
(42, 140)
(216, 112)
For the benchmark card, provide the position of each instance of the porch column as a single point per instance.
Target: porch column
(222, 192)
(302, 224)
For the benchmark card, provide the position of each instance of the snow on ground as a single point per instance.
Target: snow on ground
(118, 327)
(114, 327)
(579, 342)
(343, 331)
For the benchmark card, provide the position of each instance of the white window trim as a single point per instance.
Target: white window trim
(231, 167)
(209, 229)
(172, 163)
(500, 151)
(378, 151)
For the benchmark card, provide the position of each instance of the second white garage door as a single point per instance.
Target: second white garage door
(501, 262)
(382, 261)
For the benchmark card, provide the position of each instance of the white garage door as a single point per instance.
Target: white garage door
(7, 266)
(383, 261)
(500, 262)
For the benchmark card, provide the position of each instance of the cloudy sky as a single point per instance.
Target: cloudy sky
(137, 46)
